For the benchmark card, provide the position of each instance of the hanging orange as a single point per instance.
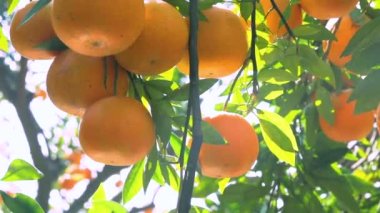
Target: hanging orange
(98, 27)
(25, 38)
(222, 44)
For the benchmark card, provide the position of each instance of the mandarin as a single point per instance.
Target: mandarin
(117, 131)
(76, 81)
(161, 44)
(345, 31)
(276, 27)
(237, 156)
(222, 44)
(98, 27)
(326, 9)
(26, 37)
(347, 125)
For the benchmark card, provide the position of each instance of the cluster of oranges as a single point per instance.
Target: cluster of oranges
(345, 127)
(107, 42)
(104, 42)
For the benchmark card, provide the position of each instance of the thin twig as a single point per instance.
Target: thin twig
(186, 192)
(283, 19)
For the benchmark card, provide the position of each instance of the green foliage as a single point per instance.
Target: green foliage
(21, 203)
(298, 169)
(21, 170)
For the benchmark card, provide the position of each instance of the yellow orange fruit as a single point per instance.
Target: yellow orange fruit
(326, 9)
(222, 44)
(67, 184)
(347, 125)
(117, 131)
(161, 44)
(25, 38)
(76, 81)
(237, 156)
(345, 31)
(273, 20)
(98, 27)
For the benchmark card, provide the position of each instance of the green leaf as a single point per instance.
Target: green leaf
(134, 182)
(100, 194)
(53, 44)
(316, 32)
(169, 174)
(365, 37)
(278, 136)
(150, 167)
(276, 75)
(182, 93)
(205, 186)
(162, 111)
(37, 7)
(211, 135)
(324, 105)
(291, 100)
(104, 206)
(366, 93)
(363, 61)
(359, 185)
(311, 128)
(4, 46)
(329, 179)
(21, 203)
(270, 91)
(292, 204)
(246, 9)
(314, 64)
(161, 85)
(21, 170)
(12, 6)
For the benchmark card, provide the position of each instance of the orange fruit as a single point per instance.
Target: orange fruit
(98, 27)
(273, 20)
(347, 125)
(222, 44)
(161, 44)
(67, 184)
(80, 174)
(326, 9)
(237, 156)
(75, 157)
(76, 81)
(117, 131)
(346, 30)
(25, 38)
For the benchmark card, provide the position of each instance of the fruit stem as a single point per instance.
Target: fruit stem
(186, 191)
(253, 49)
(283, 19)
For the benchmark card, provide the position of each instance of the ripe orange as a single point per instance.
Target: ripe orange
(117, 131)
(98, 27)
(346, 30)
(347, 126)
(237, 156)
(76, 81)
(75, 157)
(161, 44)
(273, 20)
(222, 44)
(25, 38)
(326, 9)
(67, 184)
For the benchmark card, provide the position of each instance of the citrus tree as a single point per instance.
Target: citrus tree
(239, 106)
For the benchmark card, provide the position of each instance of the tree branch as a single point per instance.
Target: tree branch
(93, 186)
(186, 192)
